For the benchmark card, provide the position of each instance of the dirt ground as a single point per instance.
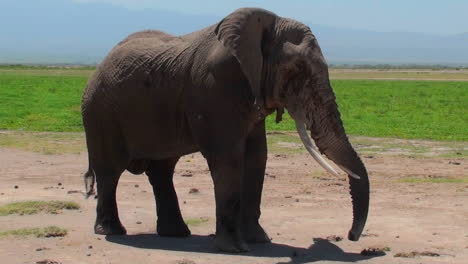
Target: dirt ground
(418, 204)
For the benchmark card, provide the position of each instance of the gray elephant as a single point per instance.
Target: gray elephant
(157, 97)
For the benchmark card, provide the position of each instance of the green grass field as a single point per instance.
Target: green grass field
(404, 109)
(37, 99)
(40, 103)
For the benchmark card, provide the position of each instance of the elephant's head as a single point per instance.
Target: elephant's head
(285, 67)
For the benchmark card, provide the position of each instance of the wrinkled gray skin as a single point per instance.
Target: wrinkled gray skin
(157, 97)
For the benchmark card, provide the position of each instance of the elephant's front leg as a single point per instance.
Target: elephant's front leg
(227, 168)
(252, 185)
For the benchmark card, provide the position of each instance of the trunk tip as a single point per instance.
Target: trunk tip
(353, 236)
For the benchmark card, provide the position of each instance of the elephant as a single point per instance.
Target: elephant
(156, 97)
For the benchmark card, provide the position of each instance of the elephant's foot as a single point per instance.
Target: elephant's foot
(255, 234)
(178, 229)
(109, 228)
(227, 242)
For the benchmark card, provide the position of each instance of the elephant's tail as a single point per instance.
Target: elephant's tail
(89, 180)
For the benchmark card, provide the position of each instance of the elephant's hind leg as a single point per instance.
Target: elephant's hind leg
(170, 221)
(107, 220)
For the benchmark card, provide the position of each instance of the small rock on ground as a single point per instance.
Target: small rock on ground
(374, 251)
(74, 191)
(334, 238)
(48, 261)
(369, 235)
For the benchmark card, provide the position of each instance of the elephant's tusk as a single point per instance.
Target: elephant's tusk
(307, 141)
(350, 173)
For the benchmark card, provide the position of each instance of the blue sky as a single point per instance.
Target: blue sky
(349, 31)
(424, 16)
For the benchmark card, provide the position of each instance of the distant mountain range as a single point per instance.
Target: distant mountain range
(84, 33)
(366, 47)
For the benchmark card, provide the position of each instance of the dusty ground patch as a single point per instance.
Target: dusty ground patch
(304, 210)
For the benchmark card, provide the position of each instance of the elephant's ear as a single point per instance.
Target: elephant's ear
(242, 33)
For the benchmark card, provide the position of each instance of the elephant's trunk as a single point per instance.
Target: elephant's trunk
(340, 151)
(324, 121)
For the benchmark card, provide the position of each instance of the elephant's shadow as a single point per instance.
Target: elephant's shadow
(320, 250)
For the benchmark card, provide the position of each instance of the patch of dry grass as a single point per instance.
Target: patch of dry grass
(50, 231)
(403, 74)
(44, 142)
(196, 221)
(34, 207)
(434, 180)
(289, 143)
(414, 254)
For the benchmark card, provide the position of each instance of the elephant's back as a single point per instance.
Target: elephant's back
(148, 34)
(132, 61)
(138, 52)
